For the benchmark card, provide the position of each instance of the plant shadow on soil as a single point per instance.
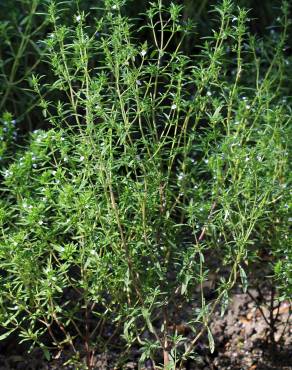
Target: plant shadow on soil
(241, 340)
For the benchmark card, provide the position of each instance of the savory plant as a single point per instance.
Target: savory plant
(159, 172)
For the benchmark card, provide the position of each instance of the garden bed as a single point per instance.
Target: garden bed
(241, 343)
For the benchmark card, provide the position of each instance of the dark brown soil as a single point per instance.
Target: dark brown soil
(242, 342)
(242, 335)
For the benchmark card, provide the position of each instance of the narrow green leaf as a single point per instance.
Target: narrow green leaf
(211, 340)
(243, 278)
(47, 354)
(6, 334)
(146, 316)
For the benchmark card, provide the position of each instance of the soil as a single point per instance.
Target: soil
(241, 335)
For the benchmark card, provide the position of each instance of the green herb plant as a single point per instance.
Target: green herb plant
(158, 173)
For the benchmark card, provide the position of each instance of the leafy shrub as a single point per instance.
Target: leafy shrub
(160, 170)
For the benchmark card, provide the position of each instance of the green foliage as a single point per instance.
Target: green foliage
(21, 24)
(7, 135)
(158, 170)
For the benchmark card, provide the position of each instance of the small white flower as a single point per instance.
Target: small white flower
(180, 176)
(247, 106)
(143, 53)
(78, 18)
(65, 159)
(82, 158)
(209, 93)
(114, 7)
(62, 138)
(246, 159)
(174, 106)
(206, 161)
(138, 82)
(13, 122)
(51, 36)
(41, 222)
(54, 172)
(34, 165)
